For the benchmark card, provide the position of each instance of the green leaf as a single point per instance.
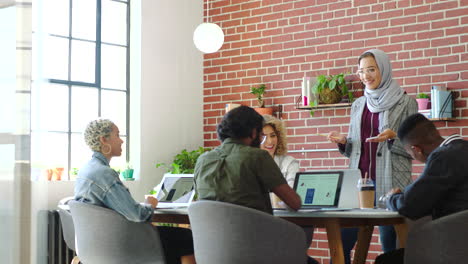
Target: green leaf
(341, 80)
(332, 84)
(321, 78)
(315, 88)
(344, 89)
(175, 168)
(313, 104)
(422, 96)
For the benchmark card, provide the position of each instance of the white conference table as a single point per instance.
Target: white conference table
(332, 221)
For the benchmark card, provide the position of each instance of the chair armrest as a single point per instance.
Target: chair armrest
(439, 241)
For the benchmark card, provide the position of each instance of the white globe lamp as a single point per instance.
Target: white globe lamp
(208, 37)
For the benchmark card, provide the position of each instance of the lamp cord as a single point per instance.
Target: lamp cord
(207, 11)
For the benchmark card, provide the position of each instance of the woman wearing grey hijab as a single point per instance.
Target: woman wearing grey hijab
(372, 144)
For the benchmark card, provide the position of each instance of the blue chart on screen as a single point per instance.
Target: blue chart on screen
(309, 196)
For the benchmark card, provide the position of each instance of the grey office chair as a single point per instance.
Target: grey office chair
(441, 241)
(103, 236)
(232, 234)
(68, 230)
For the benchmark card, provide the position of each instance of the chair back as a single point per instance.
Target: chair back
(104, 236)
(441, 241)
(68, 230)
(231, 234)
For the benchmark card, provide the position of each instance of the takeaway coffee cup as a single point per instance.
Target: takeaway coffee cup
(366, 193)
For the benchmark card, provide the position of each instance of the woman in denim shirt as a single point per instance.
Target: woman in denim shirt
(100, 185)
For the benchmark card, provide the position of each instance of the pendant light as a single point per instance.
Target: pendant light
(208, 37)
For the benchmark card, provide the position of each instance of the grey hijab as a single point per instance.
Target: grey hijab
(389, 91)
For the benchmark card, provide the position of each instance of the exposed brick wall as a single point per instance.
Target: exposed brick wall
(277, 42)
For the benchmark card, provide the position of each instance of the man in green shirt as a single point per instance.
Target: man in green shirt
(241, 173)
(238, 171)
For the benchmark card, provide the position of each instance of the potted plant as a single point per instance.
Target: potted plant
(423, 101)
(330, 89)
(54, 173)
(259, 92)
(184, 162)
(127, 173)
(73, 174)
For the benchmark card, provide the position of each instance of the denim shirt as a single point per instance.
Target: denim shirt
(100, 185)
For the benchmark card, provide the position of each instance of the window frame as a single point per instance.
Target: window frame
(70, 84)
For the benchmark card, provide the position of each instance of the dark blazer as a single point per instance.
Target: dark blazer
(442, 189)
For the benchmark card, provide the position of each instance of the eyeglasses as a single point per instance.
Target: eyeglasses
(369, 71)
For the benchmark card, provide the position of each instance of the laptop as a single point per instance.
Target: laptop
(175, 190)
(327, 189)
(349, 196)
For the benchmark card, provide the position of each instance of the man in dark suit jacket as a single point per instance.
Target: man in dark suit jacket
(442, 188)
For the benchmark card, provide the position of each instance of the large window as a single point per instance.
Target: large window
(80, 58)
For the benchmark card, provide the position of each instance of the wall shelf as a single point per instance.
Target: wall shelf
(338, 105)
(323, 106)
(447, 119)
(426, 112)
(299, 105)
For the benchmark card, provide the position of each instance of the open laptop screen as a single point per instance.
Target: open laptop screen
(176, 189)
(319, 189)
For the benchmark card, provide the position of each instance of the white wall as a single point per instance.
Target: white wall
(166, 113)
(171, 81)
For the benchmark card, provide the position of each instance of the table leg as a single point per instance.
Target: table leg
(334, 241)
(402, 233)
(363, 242)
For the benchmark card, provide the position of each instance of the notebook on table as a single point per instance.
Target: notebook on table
(175, 190)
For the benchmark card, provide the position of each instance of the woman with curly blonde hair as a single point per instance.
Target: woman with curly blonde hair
(98, 184)
(275, 143)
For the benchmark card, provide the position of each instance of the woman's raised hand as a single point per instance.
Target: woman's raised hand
(385, 135)
(336, 137)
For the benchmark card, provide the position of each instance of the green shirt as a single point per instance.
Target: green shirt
(238, 174)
